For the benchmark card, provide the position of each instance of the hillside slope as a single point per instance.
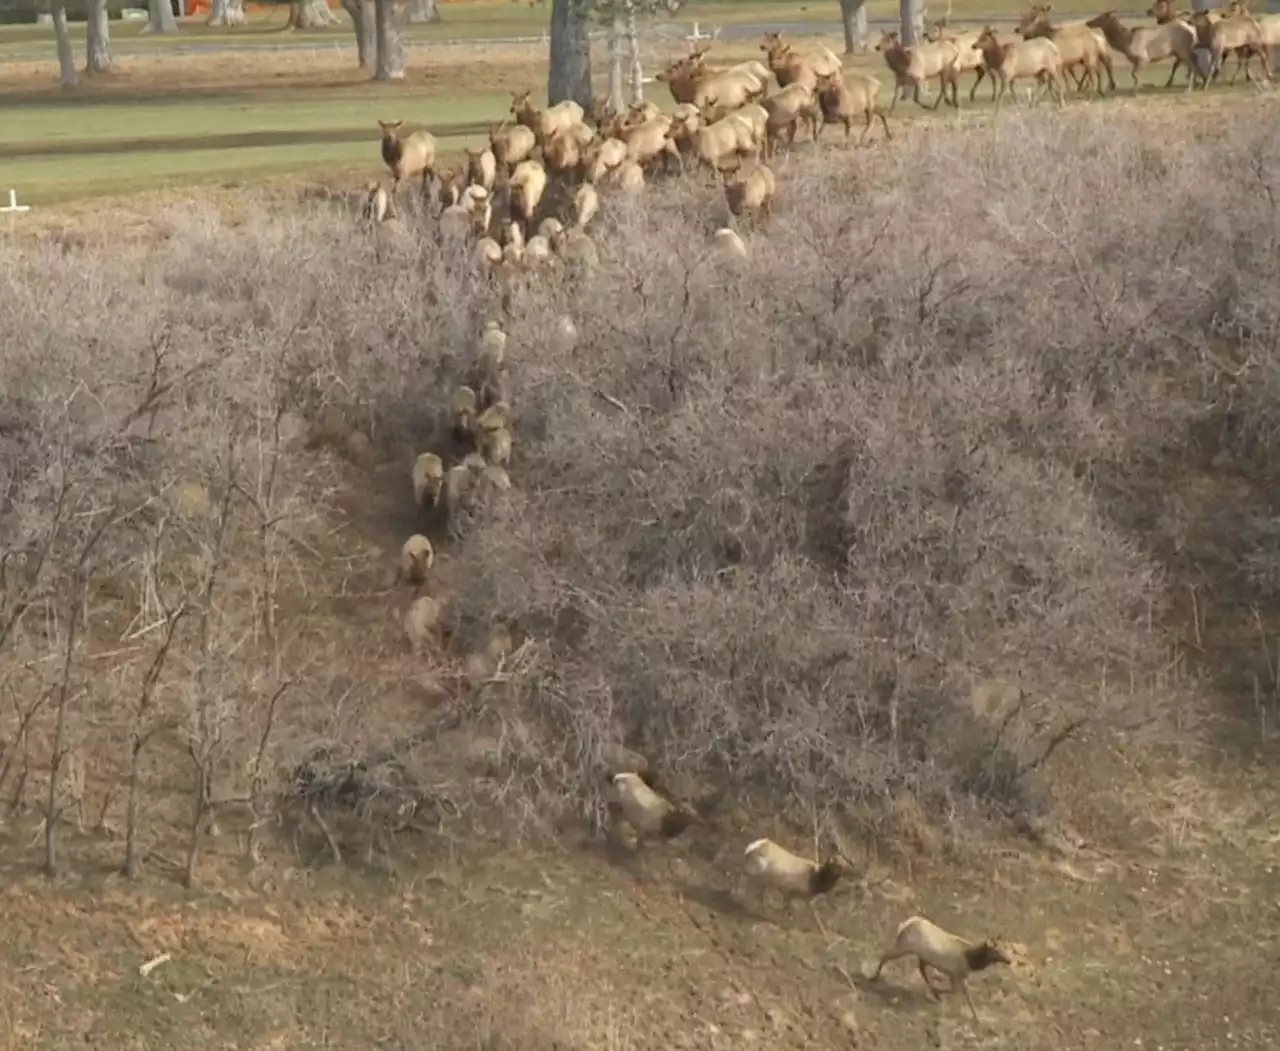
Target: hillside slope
(1168, 942)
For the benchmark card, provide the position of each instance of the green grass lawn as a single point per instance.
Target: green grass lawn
(343, 138)
(51, 180)
(158, 140)
(102, 121)
(159, 143)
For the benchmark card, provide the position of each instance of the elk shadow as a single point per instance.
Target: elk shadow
(718, 900)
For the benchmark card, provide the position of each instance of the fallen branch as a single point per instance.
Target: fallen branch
(146, 968)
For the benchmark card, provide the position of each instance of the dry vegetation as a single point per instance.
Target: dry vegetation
(862, 532)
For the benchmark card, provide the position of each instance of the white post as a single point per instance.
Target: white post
(14, 206)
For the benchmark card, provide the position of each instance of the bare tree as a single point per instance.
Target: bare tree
(569, 75)
(390, 46)
(260, 783)
(224, 703)
(621, 20)
(160, 17)
(365, 27)
(617, 22)
(99, 520)
(912, 17)
(310, 14)
(145, 725)
(853, 15)
(97, 39)
(67, 75)
(227, 13)
(15, 758)
(207, 709)
(23, 587)
(633, 55)
(422, 12)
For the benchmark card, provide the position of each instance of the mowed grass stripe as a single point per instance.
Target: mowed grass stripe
(73, 128)
(44, 180)
(233, 141)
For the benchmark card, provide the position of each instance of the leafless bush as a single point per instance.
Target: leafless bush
(888, 511)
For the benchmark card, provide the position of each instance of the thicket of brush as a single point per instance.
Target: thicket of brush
(889, 511)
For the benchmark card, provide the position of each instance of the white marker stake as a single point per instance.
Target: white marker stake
(14, 206)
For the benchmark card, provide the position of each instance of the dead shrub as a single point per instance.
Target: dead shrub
(771, 526)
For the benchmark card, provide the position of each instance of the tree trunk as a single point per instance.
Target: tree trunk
(365, 26)
(617, 29)
(912, 15)
(422, 12)
(227, 13)
(141, 733)
(59, 748)
(97, 39)
(310, 14)
(160, 17)
(633, 54)
(853, 13)
(569, 76)
(199, 810)
(390, 48)
(132, 862)
(66, 57)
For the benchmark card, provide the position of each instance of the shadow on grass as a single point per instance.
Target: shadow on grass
(242, 140)
(719, 900)
(115, 94)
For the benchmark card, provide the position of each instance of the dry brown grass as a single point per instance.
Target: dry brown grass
(1158, 942)
(798, 533)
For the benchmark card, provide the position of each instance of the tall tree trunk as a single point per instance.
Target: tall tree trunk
(160, 17)
(390, 48)
(66, 57)
(617, 29)
(853, 13)
(569, 76)
(310, 14)
(912, 16)
(423, 11)
(366, 30)
(227, 13)
(633, 54)
(97, 39)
